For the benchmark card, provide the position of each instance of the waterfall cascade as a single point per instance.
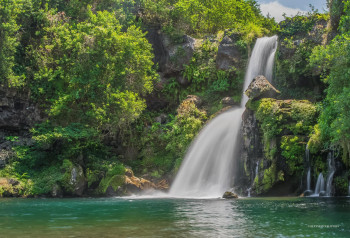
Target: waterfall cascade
(331, 171)
(308, 180)
(319, 189)
(257, 169)
(308, 190)
(207, 168)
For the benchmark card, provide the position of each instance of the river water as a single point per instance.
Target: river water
(139, 217)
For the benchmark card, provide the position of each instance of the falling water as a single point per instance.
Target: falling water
(307, 154)
(207, 168)
(349, 189)
(319, 185)
(257, 169)
(331, 171)
(308, 180)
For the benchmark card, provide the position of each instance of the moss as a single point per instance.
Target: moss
(114, 177)
(115, 182)
(67, 167)
(315, 142)
(341, 186)
(293, 149)
(271, 177)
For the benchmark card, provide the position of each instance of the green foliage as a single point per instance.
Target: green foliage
(98, 71)
(333, 60)
(198, 17)
(341, 186)
(289, 120)
(114, 177)
(293, 150)
(298, 36)
(315, 142)
(271, 177)
(9, 33)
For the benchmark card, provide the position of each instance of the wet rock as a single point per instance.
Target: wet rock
(260, 87)
(163, 185)
(228, 54)
(229, 195)
(307, 193)
(77, 180)
(56, 191)
(228, 101)
(136, 185)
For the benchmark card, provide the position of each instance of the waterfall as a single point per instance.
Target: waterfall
(319, 185)
(308, 176)
(331, 171)
(307, 154)
(349, 189)
(207, 168)
(257, 169)
(308, 180)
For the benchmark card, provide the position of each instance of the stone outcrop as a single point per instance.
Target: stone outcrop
(229, 195)
(17, 112)
(228, 101)
(260, 87)
(169, 55)
(10, 187)
(129, 184)
(228, 53)
(274, 136)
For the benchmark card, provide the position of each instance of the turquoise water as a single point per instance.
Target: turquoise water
(120, 217)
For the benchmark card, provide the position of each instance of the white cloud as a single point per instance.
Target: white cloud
(276, 10)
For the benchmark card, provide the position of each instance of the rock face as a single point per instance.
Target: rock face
(169, 55)
(260, 87)
(274, 134)
(17, 113)
(228, 53)
(229, 195)
(228, 101)
(130, 184)
(77, 180)
(9, 187)
(251, 152)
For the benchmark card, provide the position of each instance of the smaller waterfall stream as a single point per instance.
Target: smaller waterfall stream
(257, 169)
(319, 189)
(308, 180)
(331, 171)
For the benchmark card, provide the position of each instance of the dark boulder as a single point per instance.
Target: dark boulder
(228, 54)
(260, 87)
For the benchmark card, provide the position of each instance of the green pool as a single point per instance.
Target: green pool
(132, 217)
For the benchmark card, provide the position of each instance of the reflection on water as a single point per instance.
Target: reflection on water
(115, 217)
(209, 218)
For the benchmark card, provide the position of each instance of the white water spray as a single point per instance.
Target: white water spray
(319, 185)
(331, 171)
(207, 168)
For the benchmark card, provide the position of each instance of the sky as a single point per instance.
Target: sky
(276, 8)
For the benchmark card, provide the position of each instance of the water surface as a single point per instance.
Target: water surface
(120, 217)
